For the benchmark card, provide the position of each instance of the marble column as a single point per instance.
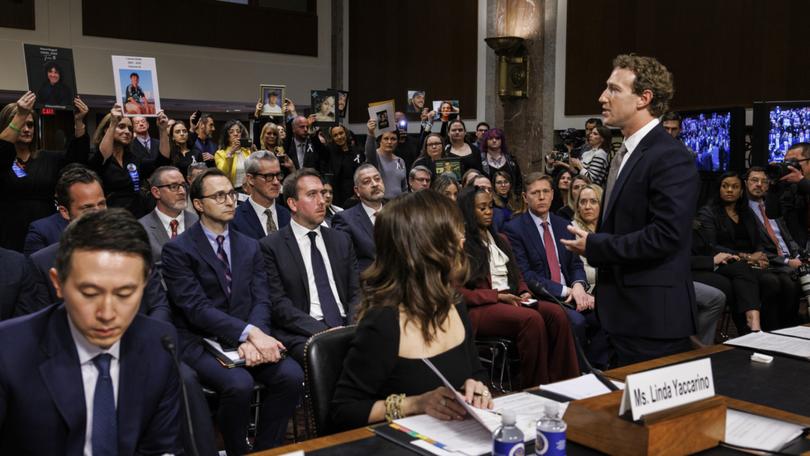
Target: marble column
(527, 122)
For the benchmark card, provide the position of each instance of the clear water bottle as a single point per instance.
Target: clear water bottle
(550, 437)
(508, 439)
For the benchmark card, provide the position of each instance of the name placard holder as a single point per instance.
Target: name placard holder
(685, 419)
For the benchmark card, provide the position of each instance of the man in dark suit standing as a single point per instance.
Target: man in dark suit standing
(143, 145)
(216, 278)
(311, 269)
(358, 221)
(91, 376)
(76, 192)
(260, 215)
(645, 299)
(170, 217)
(303, 150)
(535, 237)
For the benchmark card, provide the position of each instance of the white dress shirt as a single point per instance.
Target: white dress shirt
(371, 212)
(166, 221)
(498, 271)
(262, 216)
(304, 245)
(632, 141)
(87, 352)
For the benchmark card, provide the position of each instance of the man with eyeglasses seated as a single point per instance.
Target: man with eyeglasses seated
(169, 218)
(260, 215)
(419, 178)
(217, 281)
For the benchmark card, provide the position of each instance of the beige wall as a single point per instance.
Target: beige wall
(184, 72)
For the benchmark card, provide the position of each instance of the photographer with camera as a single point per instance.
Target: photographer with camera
(791, 194)
(559, 159)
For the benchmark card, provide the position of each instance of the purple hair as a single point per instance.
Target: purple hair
(497, 132)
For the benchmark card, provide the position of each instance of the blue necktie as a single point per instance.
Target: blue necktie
(223, 257)
(105, 421)
(329, 307)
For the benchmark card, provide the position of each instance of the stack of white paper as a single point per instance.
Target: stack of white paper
(796, 331)
(754, 431)
(773, 343)
(581, 387)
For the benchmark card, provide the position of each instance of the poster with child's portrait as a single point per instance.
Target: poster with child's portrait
(446, 110)
(272, 99)
(383, 113)
(136, 86)
(324, 106)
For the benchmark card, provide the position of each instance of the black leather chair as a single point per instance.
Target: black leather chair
(323, 355)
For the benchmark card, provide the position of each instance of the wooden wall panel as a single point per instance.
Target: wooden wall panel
(721, 52)
(18, 14)
(205, 23)
(416, 44)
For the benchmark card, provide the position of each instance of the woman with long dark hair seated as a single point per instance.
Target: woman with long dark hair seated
(410, 310)
(727, 225)
(494, 292)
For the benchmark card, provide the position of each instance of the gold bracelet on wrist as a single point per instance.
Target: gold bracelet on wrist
(393, 407)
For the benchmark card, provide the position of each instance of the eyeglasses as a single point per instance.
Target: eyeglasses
(220, 197)
(268, 177)
(434, 144)
(174, 187)
(757, 180)
(502, 182)
(425, 180)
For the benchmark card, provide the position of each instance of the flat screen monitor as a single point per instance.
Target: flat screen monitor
(778, 125)
(716, 138)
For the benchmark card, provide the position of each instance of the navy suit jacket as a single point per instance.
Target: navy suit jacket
(19, 287)
(530, 253)
(195, 279)
(247, 222)
(42, 405)
(289, 284)
(153, 303)
(44, 232)
(356, 223)
(642, 245)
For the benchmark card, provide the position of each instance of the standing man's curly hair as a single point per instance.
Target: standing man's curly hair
(650, 75)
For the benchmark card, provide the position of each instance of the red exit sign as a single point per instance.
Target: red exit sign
(48, 111)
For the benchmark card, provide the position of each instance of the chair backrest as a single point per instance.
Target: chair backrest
(324, 354)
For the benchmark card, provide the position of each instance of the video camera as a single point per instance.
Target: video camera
(776, 171)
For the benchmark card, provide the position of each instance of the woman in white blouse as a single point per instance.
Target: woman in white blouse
(588, 206)
(498, 300)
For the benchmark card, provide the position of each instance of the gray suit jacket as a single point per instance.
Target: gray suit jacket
(157, 234)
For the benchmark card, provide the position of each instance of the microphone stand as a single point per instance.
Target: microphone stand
(168, 344)
(538, 289)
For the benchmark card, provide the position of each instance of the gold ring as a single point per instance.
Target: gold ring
(485, 393)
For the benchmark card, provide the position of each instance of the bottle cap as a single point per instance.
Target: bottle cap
(508, 418)
(552, 409)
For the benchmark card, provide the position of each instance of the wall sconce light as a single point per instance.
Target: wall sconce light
(513, 65)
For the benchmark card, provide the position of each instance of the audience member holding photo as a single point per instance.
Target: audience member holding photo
(27, 184)
(340, 163)
(457, 147)
(383, 156)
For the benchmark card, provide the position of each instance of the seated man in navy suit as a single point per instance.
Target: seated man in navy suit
(358, 221)
(216, 279)
(91, 376)
(544, 261)
(85, 195)
(170, 216)
(311, 269)
(260, 215)
(18, 285)
(75, 192)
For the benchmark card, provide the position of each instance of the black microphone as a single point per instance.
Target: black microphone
(538, 289)
(168, 344)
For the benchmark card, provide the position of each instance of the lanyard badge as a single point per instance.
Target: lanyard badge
(133, 174)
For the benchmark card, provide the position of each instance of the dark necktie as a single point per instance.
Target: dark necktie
(271, 224)
(613, 174)
(551, 254)
(173, 226)
(329, 307)
(223, 257)
(105, 422)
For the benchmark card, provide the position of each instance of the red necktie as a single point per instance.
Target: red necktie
(769, 229)
(551, 254)
(173, 225)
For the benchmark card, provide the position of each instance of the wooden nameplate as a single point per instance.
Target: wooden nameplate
(686, 429)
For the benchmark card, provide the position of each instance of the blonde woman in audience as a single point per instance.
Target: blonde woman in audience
(589, 205)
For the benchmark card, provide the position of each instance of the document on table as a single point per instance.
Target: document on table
(581, 387)
(470, 436)
(754, 431)
(796, 331)
(774, 343)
